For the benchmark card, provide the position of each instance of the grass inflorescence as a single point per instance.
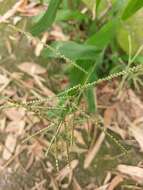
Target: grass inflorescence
(68, 107)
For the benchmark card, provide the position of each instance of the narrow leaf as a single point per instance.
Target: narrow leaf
(90, 95)
(132, 7)
(47, 19)
(103, 37)
(97, 3)
(72, 50)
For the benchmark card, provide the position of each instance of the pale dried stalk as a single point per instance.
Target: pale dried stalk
(10, 12)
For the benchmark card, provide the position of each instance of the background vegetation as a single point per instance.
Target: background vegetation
(71, 94)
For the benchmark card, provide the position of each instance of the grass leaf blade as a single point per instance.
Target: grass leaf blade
(48, 18)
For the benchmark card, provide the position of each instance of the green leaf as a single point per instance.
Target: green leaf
(90, 95)
(103, 37)
(132, 7)
(99, 40)
(97, 3)
(77, 77)
(48, 18)
(67, 14)
(71, 50)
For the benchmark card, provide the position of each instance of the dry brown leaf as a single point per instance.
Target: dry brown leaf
(53, 183)
(104, 94)
(57, 34)
(2, 124)
(29, 163)
(107, 178)
(67, 170)
(3, 79)
(32, 68)
(36, 149)
(137, 132)
(115, 182)
(46, 91)
(133, 172)
(116, 129)
(77, 149)
(108, 115)
(1, 148)
(8, 46)
(24, 3)
(4, 82)
(75, 184)
(10, 144)
(93, 151)
(11, 12)
(16, 127)
(39, 185)
(131, 105)
(10, 92)
(41, 44)
(31, 9)
(16, 19)
(78, 137)
(15, 114)
(103, 187)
